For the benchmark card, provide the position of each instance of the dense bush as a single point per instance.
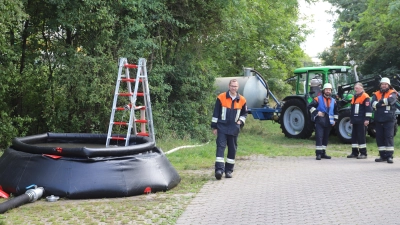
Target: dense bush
(59, 59)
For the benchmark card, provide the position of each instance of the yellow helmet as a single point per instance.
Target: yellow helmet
(327, 85)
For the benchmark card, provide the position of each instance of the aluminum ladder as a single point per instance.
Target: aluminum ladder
(145, 114)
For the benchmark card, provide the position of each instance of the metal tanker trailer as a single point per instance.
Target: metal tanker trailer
(256, 91)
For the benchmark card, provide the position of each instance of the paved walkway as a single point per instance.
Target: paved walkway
(300, 190)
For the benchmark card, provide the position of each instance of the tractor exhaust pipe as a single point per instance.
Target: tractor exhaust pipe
(30, 195)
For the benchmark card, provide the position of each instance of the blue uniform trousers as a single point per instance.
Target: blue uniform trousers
(222, 141)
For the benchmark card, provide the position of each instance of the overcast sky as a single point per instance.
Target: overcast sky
(320, 23)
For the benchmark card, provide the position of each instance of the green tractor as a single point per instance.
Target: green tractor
(295, 120)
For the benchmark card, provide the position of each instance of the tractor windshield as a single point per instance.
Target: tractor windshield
(313, 83)
(310, 80)
(338, 78)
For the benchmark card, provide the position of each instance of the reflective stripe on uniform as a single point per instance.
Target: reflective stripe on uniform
(237, 114)
(363, 146)
(243, 119)
(385, 101)
(374, 104)
(323, 147)
(332, 119)
(319, 148)
(336, 116)
(389, 148)
(381, 148)
(231, 161)
(214, 119)
(354, 145)
(368, 114)
(356, 108)
(220, 159)
(312, 109)
(223, 114)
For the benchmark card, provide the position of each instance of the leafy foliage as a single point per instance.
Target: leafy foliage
(258, 35)
(367, 33)
(59, 58)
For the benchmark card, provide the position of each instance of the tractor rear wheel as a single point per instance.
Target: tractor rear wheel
(295, 121)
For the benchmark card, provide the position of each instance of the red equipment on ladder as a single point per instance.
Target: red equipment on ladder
(146, 117)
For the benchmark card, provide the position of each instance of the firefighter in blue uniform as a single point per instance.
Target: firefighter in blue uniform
(230, 113)
(324, 113)
(383, 103)
(361, 113)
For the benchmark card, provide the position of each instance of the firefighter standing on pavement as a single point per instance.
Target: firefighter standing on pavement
(361, 112)
(230, 112)
(324, 113)
(383, 103)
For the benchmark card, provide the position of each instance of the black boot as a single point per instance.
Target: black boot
(382, 157)
(363, 153)
(218, 174)
(324, 155)
(354, 153)
(389, 155)
(318, 154)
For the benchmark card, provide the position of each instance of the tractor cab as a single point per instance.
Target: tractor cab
(311, 79)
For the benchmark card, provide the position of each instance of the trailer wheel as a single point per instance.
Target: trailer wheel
(295, 121)
(343, 127)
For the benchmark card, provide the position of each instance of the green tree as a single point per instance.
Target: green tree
(381, 46)
(11, 125)
(366, 32)
(344, 48)
(259, 34)
(59, 58)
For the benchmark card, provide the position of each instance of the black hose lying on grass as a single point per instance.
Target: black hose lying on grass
(30, 195)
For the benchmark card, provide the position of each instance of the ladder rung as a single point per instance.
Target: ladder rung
(141, 121)
(118, 138)
(140, 107)
(120, 123)
(140, 94)
(130, 80)
(125, 94)
(131, 66)
(136, 108)
(143, 134)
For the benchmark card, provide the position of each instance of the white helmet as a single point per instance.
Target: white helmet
(327, 85)
(385, 80)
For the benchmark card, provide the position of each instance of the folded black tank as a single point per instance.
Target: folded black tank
(85, 172)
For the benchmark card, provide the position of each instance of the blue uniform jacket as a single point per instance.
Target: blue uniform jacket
(227, 112)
